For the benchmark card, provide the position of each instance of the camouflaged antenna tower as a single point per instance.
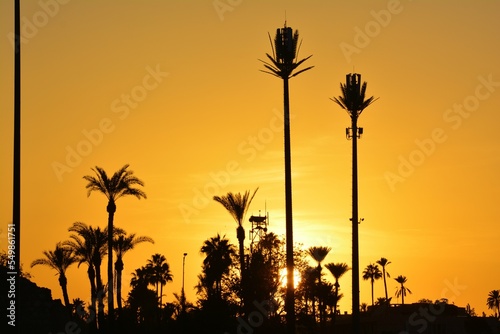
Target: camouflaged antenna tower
(283, 62)
(353, 101)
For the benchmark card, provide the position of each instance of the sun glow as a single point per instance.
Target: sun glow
(296, 277)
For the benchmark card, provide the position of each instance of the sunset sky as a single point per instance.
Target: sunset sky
(173, 88)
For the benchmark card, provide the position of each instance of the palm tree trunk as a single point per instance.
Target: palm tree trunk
(63, 282)
(355, 245)
(402, 294)
(93, 296)
(372, 293)
(111, 208)
(290, 299)
(385, 285)
(313, 304)
(335, 302)
(119, 269)
(157, 284)
(320, 298)
(240, 234)
(161, 296)
(99, 295)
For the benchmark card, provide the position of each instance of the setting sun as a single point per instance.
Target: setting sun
(296, 277)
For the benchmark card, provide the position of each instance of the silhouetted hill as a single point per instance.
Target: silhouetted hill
(36, 311)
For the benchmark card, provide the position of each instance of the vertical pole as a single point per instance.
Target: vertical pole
(289, 300)
(355, 220)
(183, 266)
(16, 200)
(183, 297)
(111, 209)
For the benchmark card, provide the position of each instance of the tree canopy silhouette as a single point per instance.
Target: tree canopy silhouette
(59, 260)
(122, 183)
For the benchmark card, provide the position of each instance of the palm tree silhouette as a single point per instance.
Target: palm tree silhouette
(78, 309)
(100, 240)
(142, 301)
(218, 259)
(284, 62)
(120, 184)
(140, 278)
(160, 275)
(337, 270)
(121, 245)
(83, 246)
(402, 290)
(90, 246)
(59, 260)
(363, 307)
(181, 306)
(308, 288)
(237, 205)
(372, 273)
(318, 253)
(493, 302)
(383, 262)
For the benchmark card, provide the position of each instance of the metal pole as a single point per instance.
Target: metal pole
(289, 299)
(16, 200)
(183, 266)
(355, 221)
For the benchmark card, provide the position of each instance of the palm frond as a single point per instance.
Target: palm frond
(59, 259)
(120, 184)
(236, 204)
(318, 253)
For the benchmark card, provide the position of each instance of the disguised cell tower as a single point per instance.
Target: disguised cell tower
(283, 63)
(354, 101)
(259, 229)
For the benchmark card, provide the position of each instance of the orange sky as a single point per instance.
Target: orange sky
(173, 88)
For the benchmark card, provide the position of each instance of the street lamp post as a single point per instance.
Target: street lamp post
(183, 267)
(183, 296)
(354, 102)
